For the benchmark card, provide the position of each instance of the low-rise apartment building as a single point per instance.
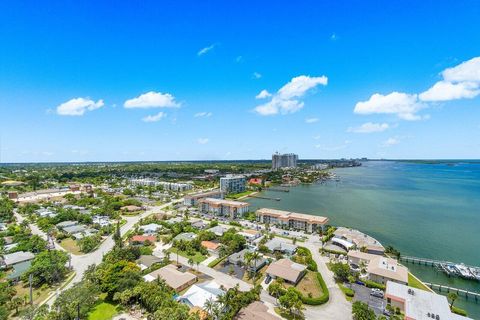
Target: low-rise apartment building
(291, 220)
(220, 207)
(380, 269)
(192, 199)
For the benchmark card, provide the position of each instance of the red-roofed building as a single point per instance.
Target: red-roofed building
(255, 181)
(142, 239)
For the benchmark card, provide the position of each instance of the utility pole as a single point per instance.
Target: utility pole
(30, 281)
(78, 311)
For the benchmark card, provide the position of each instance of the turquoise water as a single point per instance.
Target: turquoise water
(423, 210)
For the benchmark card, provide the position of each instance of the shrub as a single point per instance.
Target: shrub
(215, 262)
(373, 284)
(459, 311)
(318, 300)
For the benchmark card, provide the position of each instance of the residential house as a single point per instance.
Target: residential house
(131, 208)
(12, 259)
(238, 258)
(256, 310)
(150, 229)
(286, 269)
(250, 235)
(199, 224)
(66, 224)
(198, 294)
(138, 239)
(218, 230)
(174, 278)
(103, 221)
(211, 246)
(146, 261)
(186, 236)
(282, 246)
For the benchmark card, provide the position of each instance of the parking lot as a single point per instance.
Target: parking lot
(362, 294)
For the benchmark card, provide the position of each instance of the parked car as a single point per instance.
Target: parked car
(268, 279)
(376, 293)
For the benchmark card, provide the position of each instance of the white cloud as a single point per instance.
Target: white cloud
(154, 118)
(405, 106)
(369, 127)
(317, 137)
(205, 50)
(311, 120)
(446, 91)
(333, 37)
(390, 142)
(78, 106)
(203, 140)
(286, 99)
(263, 94)
(152, 100)
(203, 114)
(239, 59)
(257, 75)
(459, 82)
(468, 71)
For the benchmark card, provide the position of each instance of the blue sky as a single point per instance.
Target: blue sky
(178, 80)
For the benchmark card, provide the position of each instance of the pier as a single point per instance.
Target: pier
(461, 292)
(450, 268)
(278, 189)
(262, 197)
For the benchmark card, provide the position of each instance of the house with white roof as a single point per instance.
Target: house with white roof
(280, 245)
(380, 269)
(419, 304)
(12, 259)
(198, 294)
(151, 228)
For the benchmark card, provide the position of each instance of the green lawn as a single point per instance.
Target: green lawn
(236, 196)
(415, 283)
(103, 311)
(71, 246)
(198, 257)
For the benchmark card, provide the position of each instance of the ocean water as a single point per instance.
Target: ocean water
(423, 210)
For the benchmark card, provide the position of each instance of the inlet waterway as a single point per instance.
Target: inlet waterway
(429, 210)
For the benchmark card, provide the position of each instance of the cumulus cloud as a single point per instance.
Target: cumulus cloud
(152, 99)
(369, 127)
(203, 114)
(311, 120)
(263, 94)
(287, 99)
(202, 140)
(405, 106)
(446, 91)
(205, 50)
(78, 106)
(154, 118)
(459, 82)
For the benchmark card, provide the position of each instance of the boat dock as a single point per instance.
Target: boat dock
(461, 292)
(278, 189)
(450, 268)
(262, 197)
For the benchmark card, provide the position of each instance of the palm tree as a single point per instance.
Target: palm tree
(452, 296)
(209, 306)
(197, 263)
(190, 262)
(255, 257)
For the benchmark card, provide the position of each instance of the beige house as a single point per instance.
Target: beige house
(380, 269)
(175, 279)
(291, 220)
(286, 269)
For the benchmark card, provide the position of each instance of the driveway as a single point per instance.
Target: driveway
(362, 294)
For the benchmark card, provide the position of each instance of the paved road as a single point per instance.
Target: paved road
(80, 263)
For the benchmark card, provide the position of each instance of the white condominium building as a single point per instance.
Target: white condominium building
(291, 220)
(232, 184)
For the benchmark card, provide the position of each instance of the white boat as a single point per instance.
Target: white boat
(464, 271)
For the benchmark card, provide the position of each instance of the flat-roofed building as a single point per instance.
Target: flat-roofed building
(174, 278)
(232, 184)
(380, 269)
(291, 220)
(220, 207)
(418, 304)
(192, 199)
(12, 259)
